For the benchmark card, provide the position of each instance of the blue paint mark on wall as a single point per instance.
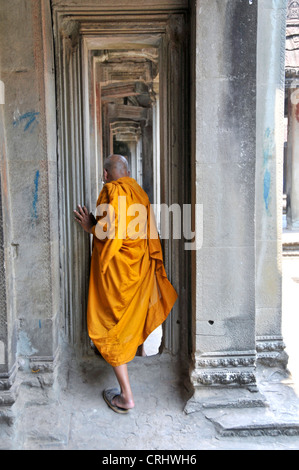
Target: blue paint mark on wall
(39, 323)
(35, 195)
(267, 184)
(30, 120)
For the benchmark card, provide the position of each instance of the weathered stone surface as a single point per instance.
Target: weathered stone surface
(29, 168)
(74, 416)
(235, 276)
(269, 168)
(225, 99)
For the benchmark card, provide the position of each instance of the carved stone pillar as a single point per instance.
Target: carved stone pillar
(269, 179)
(292, 113)
(293, 154)
(224, 182)
(8, 323)
(29, 165)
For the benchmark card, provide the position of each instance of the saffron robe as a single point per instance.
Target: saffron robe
(129, 293)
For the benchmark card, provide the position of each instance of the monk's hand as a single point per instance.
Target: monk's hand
(84, 218)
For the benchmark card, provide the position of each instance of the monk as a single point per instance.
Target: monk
(129, 293)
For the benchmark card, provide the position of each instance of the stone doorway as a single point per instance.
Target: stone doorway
(122, 87)
(126, 83)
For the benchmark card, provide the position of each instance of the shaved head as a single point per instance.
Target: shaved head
(115, 167)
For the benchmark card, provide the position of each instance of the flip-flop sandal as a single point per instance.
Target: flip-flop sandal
(108, 396)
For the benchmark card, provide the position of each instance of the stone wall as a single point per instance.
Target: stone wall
(29, 183)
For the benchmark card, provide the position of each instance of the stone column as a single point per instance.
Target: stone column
(224, 182)
(27, 70)
(269, 180)
(292, 91)
(8, 323)
(293, 156)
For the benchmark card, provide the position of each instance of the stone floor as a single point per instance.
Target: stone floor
(73, 415)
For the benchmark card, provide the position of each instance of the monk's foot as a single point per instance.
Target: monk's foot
(116, 401)
(122, 402)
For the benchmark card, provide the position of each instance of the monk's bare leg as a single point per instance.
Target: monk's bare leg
(125, 399)
(141, 350)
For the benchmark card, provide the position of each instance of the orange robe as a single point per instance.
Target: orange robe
(129, 293)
